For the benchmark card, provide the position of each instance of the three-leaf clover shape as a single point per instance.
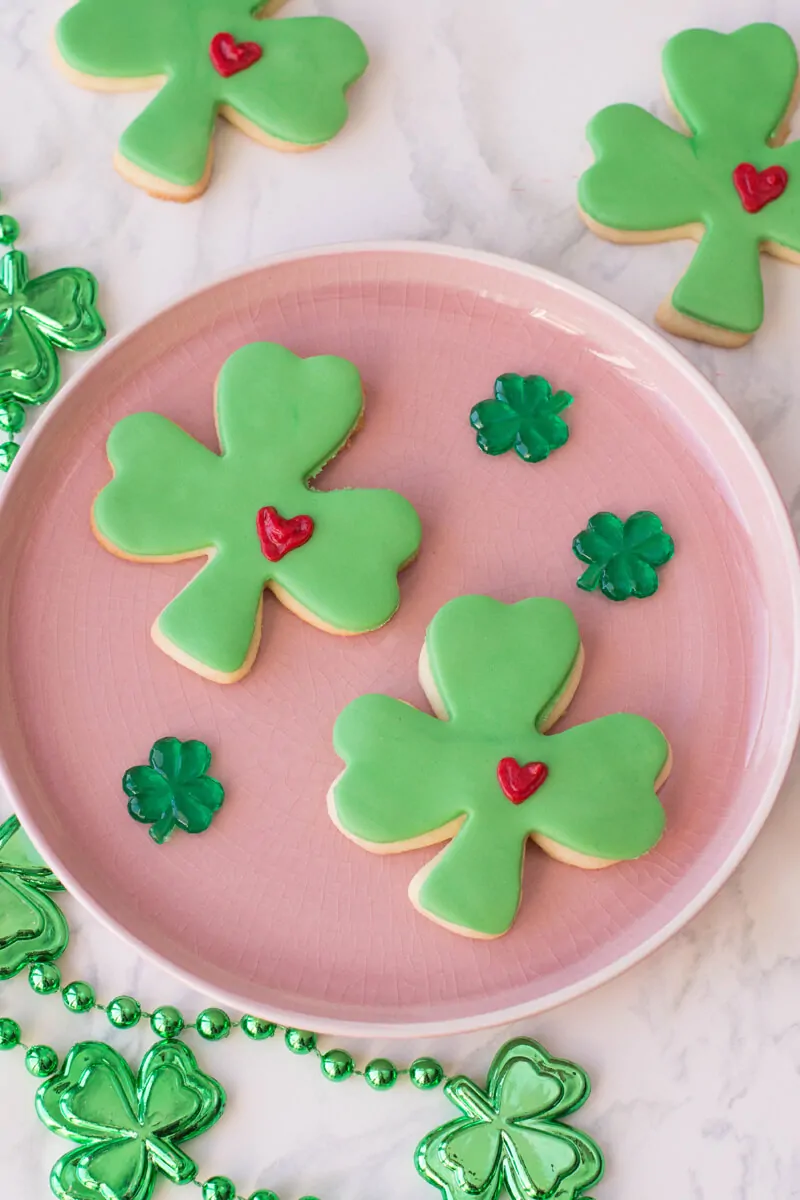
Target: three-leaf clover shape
(512, 1134)
(38, 316)
(280, 418)
(623, 558)
(32, 926)
(175, 791)
(650, 182)
(523, 415)
(498, 675)
(127, 1125)
(293, 95)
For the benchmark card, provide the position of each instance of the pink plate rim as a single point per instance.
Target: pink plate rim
(784, 535)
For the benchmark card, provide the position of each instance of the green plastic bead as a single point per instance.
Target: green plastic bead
(41, 1061)
(124, 1012)
(44, 978)
(213, 1024)
(10, 1033)
(426, 1073)
(167, 1022)
(78, 997)
(12, 416)
(300, 1041)
(258, 1030)
(219, 1187)
(8, 452)
(262, 1194)
(380, 1074)
(9, 230)
(337, 1065)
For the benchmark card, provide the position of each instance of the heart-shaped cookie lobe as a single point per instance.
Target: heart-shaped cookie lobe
(520, 780)
(280, 535)
(229, 57)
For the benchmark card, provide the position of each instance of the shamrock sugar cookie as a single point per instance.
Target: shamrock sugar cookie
(330, 557)
(728, 182)
(482, 775)
(281, 82)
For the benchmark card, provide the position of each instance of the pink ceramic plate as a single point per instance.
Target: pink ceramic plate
(273, 910)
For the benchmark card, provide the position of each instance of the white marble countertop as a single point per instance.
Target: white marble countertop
(467, 129)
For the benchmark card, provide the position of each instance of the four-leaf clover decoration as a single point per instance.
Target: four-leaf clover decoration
(484, 777)
(623, 558)
(729, 181)
(38, 316)
(331, 557)
(127, 1126)
(283, 82)
(175, 791)
(32, 926)
(523, 414)
(512, 1134)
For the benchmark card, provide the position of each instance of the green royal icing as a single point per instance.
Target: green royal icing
(732, 91)
(294, 93)
(280, 419)
(498, 670)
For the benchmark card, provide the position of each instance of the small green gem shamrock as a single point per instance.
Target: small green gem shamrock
(623, 558)
(523, 414)
(32, 926)
(175, 791)
(127, 1126)
(512, 1135)
(38, 316)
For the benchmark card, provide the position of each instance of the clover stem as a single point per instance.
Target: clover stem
(162, 829)
(591, 577)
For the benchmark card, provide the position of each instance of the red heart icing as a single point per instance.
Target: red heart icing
(229, 56)
(279, 535)
(519, 782)
(757, 188)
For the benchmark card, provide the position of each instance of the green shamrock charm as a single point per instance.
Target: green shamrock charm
(32, 926)
(512, 1135)
(175, 791)
(523, 415)
(332, 557)
(623, 558)
(727, 180)
(282, 82)
(127, 1126)
(483, 775)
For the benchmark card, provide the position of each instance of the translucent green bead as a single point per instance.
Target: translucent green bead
(167, 1022)
(9, 230)
(41, 1061)
(12, 416)
(263, 1194)
(44, 978)
(258, 1030)
(300, 1041)
(8, 452)
(213, 1024)
(380, 1074)
(78, 997)
(337, 1065)
(426, 1073)
(123, 1012)
(219, 1188)
(10, 1033)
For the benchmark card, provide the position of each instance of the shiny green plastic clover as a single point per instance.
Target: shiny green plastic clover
(37, 317)
(282, 82)
(512, 1135)
(726, 180)
(175, 791)
(331, 557)
(32, 926)
(127, 1126)
(484, 776)
(623, 558)
(523, 415)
